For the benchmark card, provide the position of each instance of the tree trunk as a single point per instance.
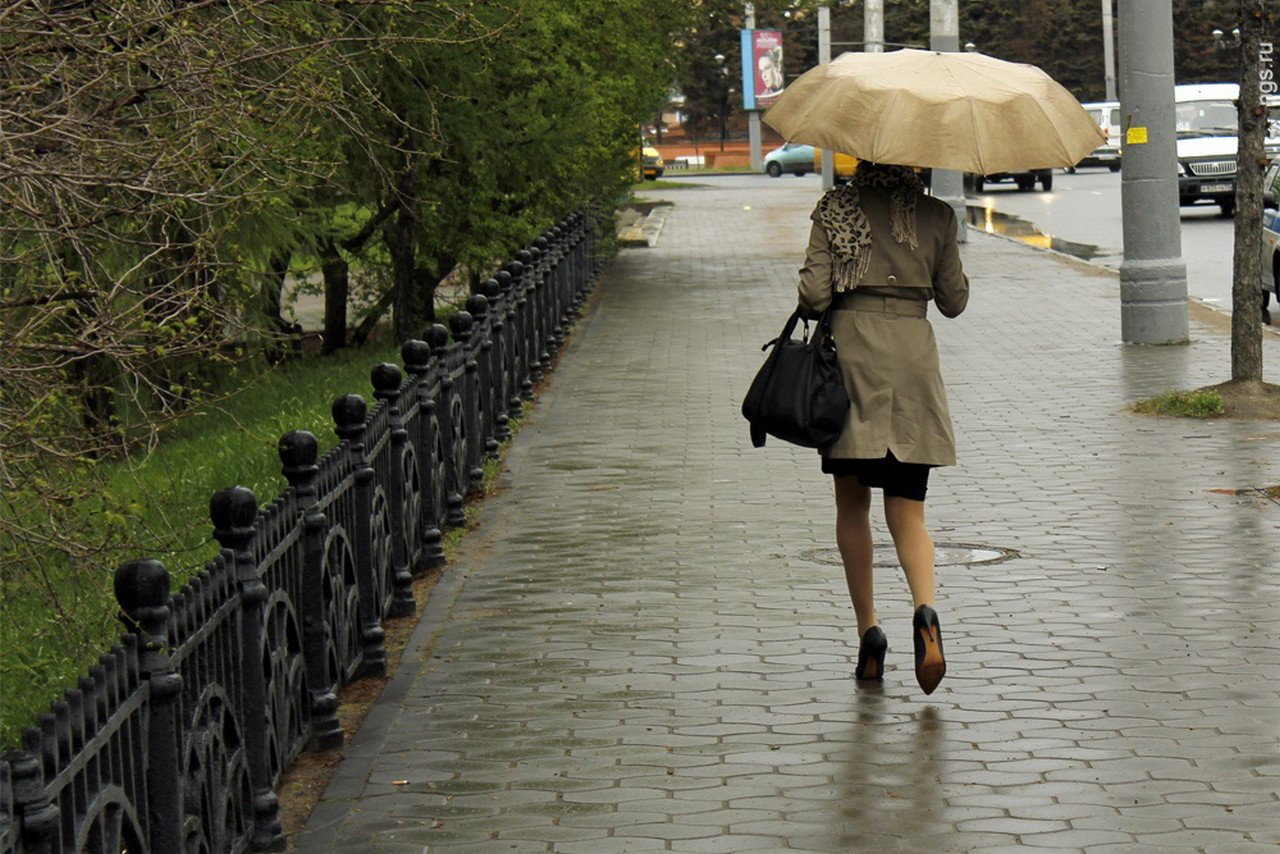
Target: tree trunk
(96, 377)
(1246, 289)
(402, 243)
(365, 328)
(273, 293)
(425, 283)
(403, 258)
(337, 288)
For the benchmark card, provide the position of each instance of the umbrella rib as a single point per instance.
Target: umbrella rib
(1059, 137)
(884, 126)
(973, 123)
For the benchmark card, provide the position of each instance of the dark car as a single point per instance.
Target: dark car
(1023, 180)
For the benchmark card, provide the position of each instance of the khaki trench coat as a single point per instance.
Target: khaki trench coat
(886, 346)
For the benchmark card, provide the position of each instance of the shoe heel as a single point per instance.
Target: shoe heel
(931, 665)
(871, 650)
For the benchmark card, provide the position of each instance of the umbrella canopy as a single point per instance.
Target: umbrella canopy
(964, 111)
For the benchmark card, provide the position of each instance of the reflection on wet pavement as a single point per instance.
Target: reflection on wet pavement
(995, 222)
(647, 643)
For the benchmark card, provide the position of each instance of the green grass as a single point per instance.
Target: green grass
(1199, 403)
(61, 615)
(664, 185)
(713, 170)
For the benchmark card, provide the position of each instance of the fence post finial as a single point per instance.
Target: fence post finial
(233, 511)
(349, 415)
(142, 589)
(299, 451)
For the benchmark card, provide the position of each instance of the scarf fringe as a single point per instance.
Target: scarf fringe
(849, 272)
(902, 222)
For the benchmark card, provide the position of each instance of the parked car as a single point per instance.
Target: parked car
(1024, 180)
(651, 164)
(793, 157)
(1270, 234)
(1106, 114)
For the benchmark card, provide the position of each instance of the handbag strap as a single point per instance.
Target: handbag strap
(822, 335)
(824, 328)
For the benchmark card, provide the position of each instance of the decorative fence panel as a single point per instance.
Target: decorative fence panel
(205, 639)
(177, 738)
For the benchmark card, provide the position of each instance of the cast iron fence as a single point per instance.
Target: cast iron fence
(176, 739)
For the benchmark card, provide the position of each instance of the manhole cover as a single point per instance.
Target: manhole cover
(945, 554)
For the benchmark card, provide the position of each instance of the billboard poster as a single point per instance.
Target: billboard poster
(762, 79)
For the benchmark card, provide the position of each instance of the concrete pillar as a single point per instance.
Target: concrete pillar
(1108, 52)
(1153, 276)
(873, 26)
(944, 35)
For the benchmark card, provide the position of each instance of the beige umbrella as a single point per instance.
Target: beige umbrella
(963, 111)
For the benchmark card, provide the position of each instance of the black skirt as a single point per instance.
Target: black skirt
(905, 480)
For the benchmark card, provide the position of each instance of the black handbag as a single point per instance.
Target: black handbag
(798, 395)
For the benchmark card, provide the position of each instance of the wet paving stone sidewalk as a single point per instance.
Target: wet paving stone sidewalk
(647, 644)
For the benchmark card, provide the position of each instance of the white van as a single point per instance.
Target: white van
(1206, 121)
(1106, 115)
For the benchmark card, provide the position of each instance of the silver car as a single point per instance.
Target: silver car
(793, 157)
(1271, 234)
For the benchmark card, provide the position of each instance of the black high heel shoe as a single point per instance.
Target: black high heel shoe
(927, 636)
(871, 650)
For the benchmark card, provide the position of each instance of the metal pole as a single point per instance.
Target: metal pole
(944, 35)
(753, 117)
(1108, 51)
(824, 56)
(873, 26)
(1153, 276)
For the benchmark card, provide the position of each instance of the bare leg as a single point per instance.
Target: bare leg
(853, 537)
(914, 545)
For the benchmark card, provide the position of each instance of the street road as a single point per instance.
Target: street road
(1082, 216)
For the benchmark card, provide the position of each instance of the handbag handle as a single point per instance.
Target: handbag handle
(824, 328)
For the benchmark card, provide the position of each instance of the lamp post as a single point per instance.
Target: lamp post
(944, 35)
(873, 26)
(1108, 52)
(724, 97)
(1226, 51)
(1219, 40)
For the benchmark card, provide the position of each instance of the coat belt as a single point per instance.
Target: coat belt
(904, 306)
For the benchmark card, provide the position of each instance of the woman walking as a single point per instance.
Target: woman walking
(880, 251)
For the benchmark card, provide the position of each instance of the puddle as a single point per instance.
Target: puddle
(945, 554)
(995, 222)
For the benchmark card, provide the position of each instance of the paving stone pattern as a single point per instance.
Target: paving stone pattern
(642, 648)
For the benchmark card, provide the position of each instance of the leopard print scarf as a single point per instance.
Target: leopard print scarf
(840, 214)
